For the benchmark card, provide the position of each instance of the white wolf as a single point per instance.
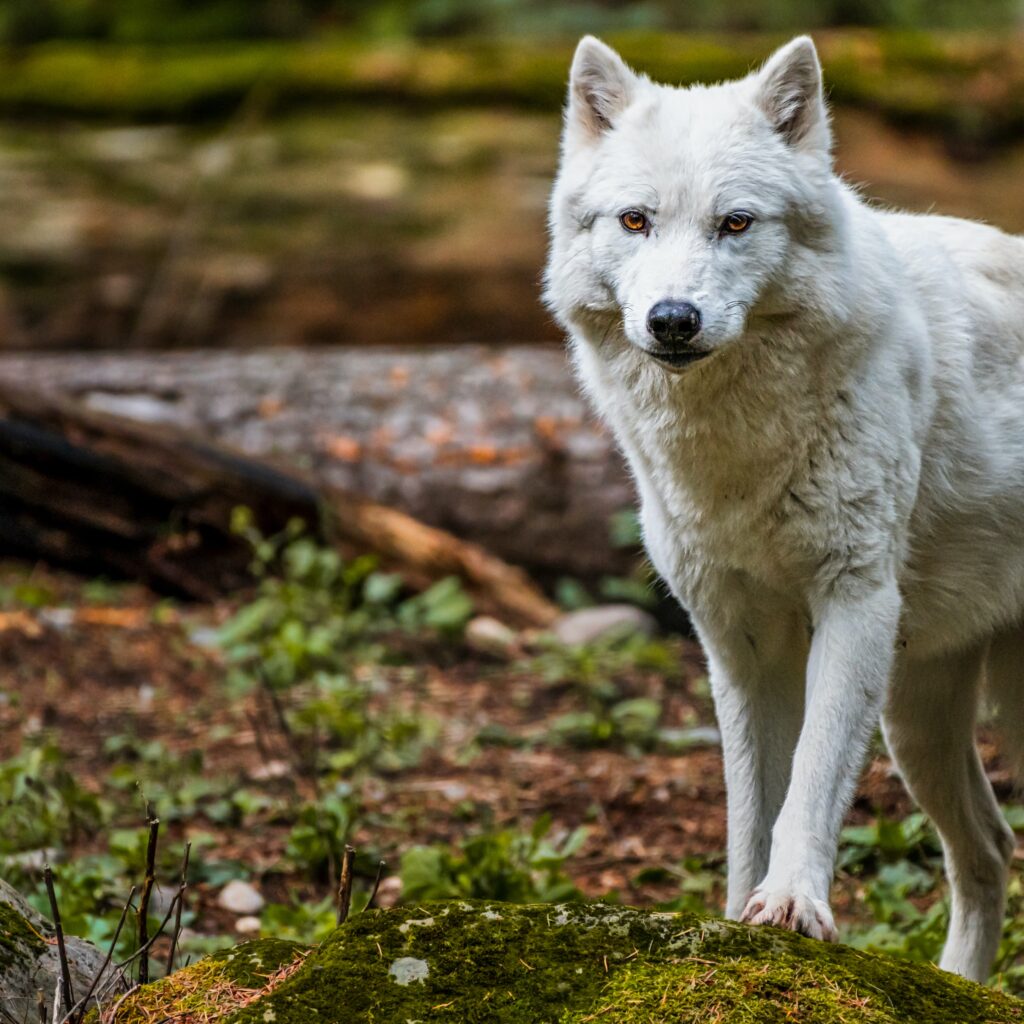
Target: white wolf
(823, 407)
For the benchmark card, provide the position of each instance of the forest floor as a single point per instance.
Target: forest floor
(132, 693)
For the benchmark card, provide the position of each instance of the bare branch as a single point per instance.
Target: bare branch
(376, 885)
(147, 889)
(182, 886)
(83, 1004)
(345, 884)
(67, 995)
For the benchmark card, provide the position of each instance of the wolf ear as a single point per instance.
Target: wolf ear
(601, 86)
(789, 91)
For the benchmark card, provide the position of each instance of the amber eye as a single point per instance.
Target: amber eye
(633, 220)
(736, 224)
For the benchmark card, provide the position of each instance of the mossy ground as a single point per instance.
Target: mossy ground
(211, 989)
(479, 963)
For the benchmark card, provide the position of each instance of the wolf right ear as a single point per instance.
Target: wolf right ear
(601, 86)
(789, 91)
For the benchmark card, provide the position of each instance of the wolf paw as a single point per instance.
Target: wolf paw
(793, 911)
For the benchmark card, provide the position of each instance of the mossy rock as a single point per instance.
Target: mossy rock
(477, 963)
(29, 963)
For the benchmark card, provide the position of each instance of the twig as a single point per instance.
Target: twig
(83, 1004)
(117, 1005)
(142, 949)
(147, 889)
(376, 885)
(345, 884)
(67, 995)
(40, 1006)
(183, 885)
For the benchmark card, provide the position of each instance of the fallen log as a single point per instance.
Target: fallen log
(101, 493)
(494, 444)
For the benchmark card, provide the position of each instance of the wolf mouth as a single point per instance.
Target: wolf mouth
(678, 360)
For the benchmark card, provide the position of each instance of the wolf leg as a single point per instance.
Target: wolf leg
(929, 728)
(847, 675)
(756, 658)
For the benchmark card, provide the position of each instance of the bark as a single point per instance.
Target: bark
(107, 494)
(493, 444)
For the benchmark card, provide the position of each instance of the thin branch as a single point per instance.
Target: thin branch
(67, 994)
(147, 888)
(376, 885)
(345, 884)
(83, 1004)
(182, 886)
(118, 968)
(117, 1006)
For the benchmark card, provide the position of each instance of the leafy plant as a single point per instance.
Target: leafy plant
(298, 641)
(509, 866)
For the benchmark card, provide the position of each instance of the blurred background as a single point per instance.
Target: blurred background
(310, 233)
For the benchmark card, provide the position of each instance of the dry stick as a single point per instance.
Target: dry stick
(67, 995)
(147, 889)
(345, 884)
(83, 1004)
(376, 885)
(118, 968)
(117, 1006)
(183, 885)
(40, 1007)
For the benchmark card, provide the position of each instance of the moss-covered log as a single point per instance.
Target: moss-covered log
(479, 963)
(967, 85)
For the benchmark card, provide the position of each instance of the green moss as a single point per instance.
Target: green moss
(213, 987)
(478, 963)
(957, 83)
(19, 941)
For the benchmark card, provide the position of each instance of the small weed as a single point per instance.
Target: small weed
(510, 866)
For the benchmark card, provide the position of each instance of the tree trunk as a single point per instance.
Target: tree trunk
(494, 444)
(108, 494)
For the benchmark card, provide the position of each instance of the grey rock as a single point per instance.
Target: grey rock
(29, 962)
(240, 898)
(591, 624)
(489, 636)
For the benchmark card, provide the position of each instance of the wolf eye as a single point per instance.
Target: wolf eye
(735, 224)
(633, 220)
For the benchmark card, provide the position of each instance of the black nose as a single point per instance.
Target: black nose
(672, 323)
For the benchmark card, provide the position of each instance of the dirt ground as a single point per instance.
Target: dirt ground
(95, 663)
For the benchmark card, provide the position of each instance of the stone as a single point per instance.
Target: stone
(486, 635)
(240, 898)
(588, 625)
(29, 961)
(248, 925)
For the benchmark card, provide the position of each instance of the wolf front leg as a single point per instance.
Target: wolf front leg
(757, 655)
(848, 670)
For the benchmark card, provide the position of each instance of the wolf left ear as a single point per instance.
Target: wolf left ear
(601, 86)
(790, 93)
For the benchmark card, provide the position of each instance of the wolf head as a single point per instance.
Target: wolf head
(677, 213)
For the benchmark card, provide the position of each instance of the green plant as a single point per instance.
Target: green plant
(298, 642)
(42, 804)
(515, 867)
(596, 674)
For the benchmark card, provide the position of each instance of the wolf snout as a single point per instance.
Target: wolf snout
(672, 322)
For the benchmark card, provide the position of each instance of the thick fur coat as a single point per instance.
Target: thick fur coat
(828, 444)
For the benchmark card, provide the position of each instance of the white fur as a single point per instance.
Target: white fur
(836, 493)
